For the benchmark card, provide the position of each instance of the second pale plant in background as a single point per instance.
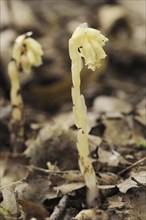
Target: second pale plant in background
(27, 53)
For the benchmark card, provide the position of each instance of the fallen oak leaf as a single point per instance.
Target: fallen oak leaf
(115, 202)
(127, 184)
(140, 179)
(138, 183)
(130, 182)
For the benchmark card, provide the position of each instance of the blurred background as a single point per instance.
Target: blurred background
(48, 87)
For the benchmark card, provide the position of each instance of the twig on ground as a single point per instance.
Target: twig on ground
(131, 166)
(50, 171)
(59, 209)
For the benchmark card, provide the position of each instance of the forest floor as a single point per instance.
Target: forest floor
(43, 181)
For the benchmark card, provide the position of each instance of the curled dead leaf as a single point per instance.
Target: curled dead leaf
(130, 182)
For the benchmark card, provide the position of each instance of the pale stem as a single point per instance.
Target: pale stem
(80, 118)
(17, 136)
(85, 43)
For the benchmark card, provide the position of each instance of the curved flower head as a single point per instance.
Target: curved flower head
(27, 52)
(87, 43)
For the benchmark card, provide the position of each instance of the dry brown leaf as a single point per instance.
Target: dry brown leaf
(130, 182)
(109, 15)
(115, 202)
(138, 137)
(115, 121)
(5, 17)
(135, 200)
(73, 176)
(9, 201)
(53, 144)
(112, 105)
(33, 210)
(36, 187)
(11, 168)
(127, 184)
(49, 184)
(28, 19)
(69, 187)
(139, 177)
(113, 134)
(111, 158)
(94, 214)
(141, 116)
(56, 144)
(108, 178)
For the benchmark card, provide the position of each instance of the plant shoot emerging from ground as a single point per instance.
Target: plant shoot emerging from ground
(85, 43)
(27, 53)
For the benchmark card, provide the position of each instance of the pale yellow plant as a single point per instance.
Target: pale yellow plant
(85, 43)
(27, 53)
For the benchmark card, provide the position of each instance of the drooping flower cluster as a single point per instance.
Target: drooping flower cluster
(88, 43)
(27, 52)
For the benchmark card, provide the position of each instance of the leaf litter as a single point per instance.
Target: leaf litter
(44, 182)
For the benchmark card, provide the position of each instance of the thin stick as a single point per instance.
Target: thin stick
(131, 166)
(51, 171)
(59, 209)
